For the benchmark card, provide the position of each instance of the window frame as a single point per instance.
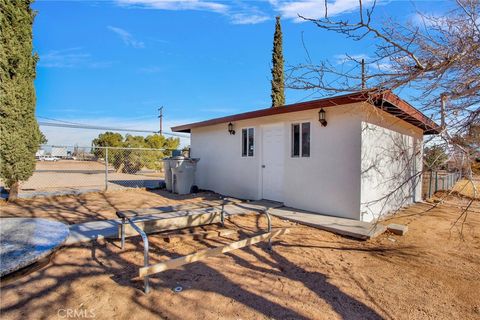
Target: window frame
(247, 129)
(300, 139)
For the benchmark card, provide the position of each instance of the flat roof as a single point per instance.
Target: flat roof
(386, 100)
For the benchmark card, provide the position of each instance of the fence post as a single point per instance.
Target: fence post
(430, 184)
(106, 168)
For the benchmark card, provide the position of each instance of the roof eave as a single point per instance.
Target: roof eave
(386, 101)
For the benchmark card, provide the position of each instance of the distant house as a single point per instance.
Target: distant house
(356, 156)
(59, 152)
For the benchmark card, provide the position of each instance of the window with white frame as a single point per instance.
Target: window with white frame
(301, 139)
(248, 142)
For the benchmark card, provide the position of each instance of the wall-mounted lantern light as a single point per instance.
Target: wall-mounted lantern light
(230, 128)
(321, 117)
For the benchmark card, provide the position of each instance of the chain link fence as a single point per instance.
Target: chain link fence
(441, 180)
(73, 169)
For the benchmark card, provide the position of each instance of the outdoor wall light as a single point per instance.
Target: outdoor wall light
(230, 129)
(321, 117)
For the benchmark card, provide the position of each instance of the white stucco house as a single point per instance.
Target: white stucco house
(357, 156)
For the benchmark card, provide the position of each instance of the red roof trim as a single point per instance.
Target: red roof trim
(386, 101)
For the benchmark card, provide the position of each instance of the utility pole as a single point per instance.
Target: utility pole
(443, 103)
(160, 117)
(363, 74)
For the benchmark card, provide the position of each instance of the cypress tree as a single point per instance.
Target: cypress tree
(278, 85)
(19, 132)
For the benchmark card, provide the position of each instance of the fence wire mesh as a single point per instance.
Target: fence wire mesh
(441, 180)
(73, 169)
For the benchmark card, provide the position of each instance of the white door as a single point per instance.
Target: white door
(273, 153)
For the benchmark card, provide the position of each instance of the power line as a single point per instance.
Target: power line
(90, 127)
(57, 120)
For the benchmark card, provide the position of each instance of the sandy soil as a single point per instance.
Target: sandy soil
(468, 188)
(430, 273)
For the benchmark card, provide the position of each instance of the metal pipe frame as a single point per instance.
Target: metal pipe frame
(222, 213)
(123, 233)
(146, 244)
(269, 227)
(145, 248)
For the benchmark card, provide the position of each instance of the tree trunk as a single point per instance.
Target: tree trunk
(13, 192)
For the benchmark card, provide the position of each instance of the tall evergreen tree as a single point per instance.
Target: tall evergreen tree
(19, 133)
(278, 82)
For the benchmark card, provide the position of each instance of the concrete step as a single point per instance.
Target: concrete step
(345, 227)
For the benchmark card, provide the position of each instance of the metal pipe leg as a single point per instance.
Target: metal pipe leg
(222, 214)
(269, 228)
(123, 234)
(145, 253)
(146, 283)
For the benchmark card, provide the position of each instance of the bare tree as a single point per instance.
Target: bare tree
(437, 58)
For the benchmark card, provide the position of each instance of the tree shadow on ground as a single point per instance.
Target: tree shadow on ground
(96, 206)
(122, 266)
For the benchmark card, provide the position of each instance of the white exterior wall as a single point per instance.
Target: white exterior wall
(391, 161)
(327, 182)
(221, 167)
(362, 155)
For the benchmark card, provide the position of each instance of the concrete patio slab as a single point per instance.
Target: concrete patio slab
(88, 231)
(84, 232)
(346, 227)
(180, 207)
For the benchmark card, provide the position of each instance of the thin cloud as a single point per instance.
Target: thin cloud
(242, 12)
(315, 9)
(71, 58)
(177, 5)
(243, 18)
(237, 11)
(344, 58)
(127, 37)
(378, 65)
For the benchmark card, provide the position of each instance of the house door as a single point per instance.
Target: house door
(273, 153)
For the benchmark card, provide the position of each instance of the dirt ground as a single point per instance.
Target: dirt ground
(468, 188)
(433, 272)
(95, 206)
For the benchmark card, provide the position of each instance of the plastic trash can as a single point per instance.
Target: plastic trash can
(183, 176)
(168, 164)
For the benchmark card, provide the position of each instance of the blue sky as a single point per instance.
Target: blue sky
(113, 63)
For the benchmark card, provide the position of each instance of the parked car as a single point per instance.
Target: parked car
(50, 158)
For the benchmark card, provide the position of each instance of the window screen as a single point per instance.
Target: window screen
(301, 139)
(295, 140)
(244, 142)
(248, 142)
(306, 139)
